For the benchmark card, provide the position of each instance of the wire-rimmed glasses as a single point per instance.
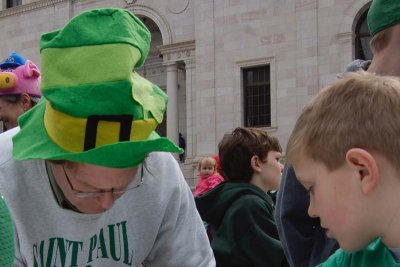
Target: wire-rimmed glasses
(95, 194)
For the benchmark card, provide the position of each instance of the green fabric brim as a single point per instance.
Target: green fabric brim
(33, 142)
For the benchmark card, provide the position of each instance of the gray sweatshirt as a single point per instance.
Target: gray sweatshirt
(156, 223)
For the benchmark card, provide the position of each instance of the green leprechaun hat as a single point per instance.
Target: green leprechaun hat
(95, 109)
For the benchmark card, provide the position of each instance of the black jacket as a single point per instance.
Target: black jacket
(243, 227)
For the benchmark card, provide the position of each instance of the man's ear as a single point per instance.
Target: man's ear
(255, 163)
(25, 101)
(366, 167)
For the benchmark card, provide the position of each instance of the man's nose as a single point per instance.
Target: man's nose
(106, 200)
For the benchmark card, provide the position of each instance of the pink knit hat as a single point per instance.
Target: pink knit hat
(23, 79)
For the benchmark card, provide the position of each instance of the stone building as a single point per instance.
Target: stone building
(223, 63)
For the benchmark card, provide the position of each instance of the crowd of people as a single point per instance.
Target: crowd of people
(85, 180)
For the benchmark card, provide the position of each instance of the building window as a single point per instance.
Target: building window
(362, 38)
(257, 96)
(13, 3)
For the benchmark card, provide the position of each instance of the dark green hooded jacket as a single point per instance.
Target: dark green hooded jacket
(244, 233)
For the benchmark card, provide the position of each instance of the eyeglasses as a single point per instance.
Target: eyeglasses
(95, 194)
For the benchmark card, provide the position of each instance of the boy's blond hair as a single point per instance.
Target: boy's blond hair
(362, 110)
(207, 160)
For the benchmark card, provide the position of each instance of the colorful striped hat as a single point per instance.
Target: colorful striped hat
(7, 248)
(22, 79)
(96, 108)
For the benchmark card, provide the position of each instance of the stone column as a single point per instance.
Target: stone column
(190, 70)
(172, 108)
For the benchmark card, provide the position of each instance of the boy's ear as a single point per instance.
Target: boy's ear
(255, 163)
(366, 167)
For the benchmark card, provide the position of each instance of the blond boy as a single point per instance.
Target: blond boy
(345, 151)
(305, 243)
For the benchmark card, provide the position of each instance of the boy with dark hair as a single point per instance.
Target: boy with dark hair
(239, 211)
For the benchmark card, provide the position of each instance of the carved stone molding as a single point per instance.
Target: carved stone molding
(177, 6)
(29, 7)
(178, 51)
(152, 70)
(345, 37)
(130, 2)
(155, 16)
(190, 63)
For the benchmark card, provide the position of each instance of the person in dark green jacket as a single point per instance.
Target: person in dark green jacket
(239, 211)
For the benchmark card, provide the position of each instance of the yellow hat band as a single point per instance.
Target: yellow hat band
(80, 134)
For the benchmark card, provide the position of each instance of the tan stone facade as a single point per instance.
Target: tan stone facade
(200, 48)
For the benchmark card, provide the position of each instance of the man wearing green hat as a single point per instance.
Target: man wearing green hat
(86, 178)
(304, 240)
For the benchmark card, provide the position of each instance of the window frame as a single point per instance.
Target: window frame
(358, 17)
(257, 96)
(254, 63)
(359, 52)
(13, 3)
